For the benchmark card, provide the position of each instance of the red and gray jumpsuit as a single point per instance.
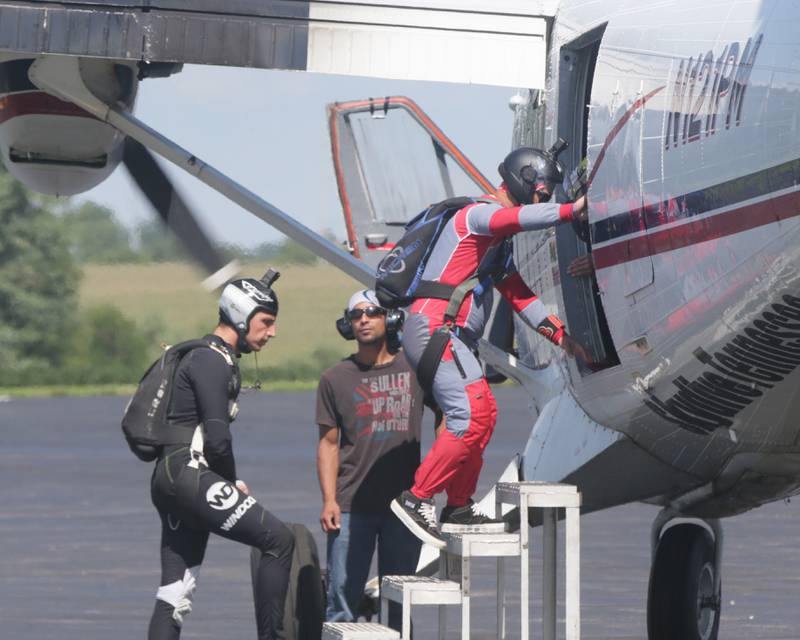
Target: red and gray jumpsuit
(472, 238)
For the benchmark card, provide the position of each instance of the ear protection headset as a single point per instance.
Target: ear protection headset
(394, 328)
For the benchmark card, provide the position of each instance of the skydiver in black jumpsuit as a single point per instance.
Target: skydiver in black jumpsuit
(194, 486)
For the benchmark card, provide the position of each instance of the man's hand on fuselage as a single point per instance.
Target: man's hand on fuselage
(574, 349)
(579, 209)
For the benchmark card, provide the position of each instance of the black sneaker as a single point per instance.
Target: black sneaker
(469, 519)
(419, 515)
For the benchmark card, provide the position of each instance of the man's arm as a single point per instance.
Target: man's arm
(210, 376)
(327, 471)
(534, 314)
(489, 219)
(530, 308)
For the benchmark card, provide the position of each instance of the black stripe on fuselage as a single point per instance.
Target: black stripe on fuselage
(758, 184)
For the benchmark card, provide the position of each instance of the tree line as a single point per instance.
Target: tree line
(94, 235)
(45, 338)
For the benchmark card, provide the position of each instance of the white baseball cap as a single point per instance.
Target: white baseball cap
(365, 295)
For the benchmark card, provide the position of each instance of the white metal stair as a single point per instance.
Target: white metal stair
(453, 585)
(357, 631)
(456, 563)
(549, 497)
(411, 590)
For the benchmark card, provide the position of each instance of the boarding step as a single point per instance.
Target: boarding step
(357, 631)
(420, 590)
(455, 562)
(410, 590)
(550, 498)
(537, 494)
(487, 545)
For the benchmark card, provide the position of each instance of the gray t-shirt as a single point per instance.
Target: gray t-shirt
(378, 411)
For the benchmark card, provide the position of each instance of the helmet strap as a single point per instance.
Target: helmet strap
(242, 346)
(256, 386)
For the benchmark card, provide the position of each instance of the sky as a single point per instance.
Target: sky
(268, 130)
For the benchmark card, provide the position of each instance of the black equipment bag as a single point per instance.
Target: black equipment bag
(145, 423)
(304, 611)
(398, 279)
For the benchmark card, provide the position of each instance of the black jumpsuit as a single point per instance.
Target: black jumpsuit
(195, 493)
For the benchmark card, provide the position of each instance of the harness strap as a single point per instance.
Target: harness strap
(431, 357)
(433, 289)
(457, 298)
(455, 295)
(183, 433)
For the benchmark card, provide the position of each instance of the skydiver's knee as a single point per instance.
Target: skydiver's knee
(179, 594)
(284, 540)
(277, 541)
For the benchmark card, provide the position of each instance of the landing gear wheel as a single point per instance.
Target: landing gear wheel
(305, 598)
(681, 601)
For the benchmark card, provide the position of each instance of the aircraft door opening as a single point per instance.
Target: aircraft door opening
(586, 318)
(391, 162)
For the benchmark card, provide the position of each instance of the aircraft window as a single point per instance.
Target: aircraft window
(391, 162)
(388, 175)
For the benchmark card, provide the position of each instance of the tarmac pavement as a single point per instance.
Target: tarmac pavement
(80, 537)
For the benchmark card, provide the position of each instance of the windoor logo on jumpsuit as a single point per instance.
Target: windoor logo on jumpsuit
(221, 496)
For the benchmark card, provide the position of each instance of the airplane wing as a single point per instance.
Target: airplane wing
(494, 42)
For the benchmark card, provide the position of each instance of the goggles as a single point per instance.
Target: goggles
(371, 312)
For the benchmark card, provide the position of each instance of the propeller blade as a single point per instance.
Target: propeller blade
(175, 214)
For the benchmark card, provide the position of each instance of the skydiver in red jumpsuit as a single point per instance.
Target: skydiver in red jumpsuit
(475, 236)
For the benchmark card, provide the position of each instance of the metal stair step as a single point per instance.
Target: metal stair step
(538, 494)
(357, 631)
(420, 590)
(487, 545)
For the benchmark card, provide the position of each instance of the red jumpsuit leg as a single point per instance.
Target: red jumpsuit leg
(454, 462)
(483, 419)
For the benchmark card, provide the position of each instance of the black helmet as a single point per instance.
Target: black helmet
(241, 299)
(526, 169)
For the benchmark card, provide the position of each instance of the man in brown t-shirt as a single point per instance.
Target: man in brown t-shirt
(369, 411)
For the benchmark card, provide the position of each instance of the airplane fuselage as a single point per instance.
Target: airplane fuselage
(693, 143)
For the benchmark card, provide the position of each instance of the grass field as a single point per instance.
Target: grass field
(169, 296)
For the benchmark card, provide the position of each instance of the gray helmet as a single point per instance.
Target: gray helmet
(525, 170)
(241, 299)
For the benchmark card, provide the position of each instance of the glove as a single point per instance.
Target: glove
(575, 184)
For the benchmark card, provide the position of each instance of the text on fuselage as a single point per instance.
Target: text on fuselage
(742, 370)
(707, 94)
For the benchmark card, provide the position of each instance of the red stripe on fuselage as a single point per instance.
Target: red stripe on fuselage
(28, 103)
(717, 226)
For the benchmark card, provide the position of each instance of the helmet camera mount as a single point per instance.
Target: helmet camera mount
(270, 276)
